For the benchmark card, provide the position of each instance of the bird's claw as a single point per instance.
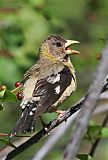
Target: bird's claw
(60, 113)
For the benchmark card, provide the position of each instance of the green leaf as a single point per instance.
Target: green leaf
(96, 131)
(2, 94)
(84, 157)
(9, 97)
(104, 133)
(1, 107)
(6, 142)
(92, 132)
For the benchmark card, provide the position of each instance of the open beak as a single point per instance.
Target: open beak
(69, 50)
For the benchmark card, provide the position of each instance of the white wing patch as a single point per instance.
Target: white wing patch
(23, 106)
(54, 79)
(57, 89)
(34, 109)
(31, 113)
(66, 93)
(57, 79)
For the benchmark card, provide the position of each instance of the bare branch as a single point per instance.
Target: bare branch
(43, 132)
(88, 107)
(54, 138)
(53, 124)
(101, 109)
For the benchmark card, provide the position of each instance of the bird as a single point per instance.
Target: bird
(47, 83)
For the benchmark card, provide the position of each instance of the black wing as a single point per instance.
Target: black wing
(51, 88)
(47, 91)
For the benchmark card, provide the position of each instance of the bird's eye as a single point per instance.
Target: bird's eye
(58, 44)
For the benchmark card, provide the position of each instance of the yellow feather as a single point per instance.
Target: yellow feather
(45, 53)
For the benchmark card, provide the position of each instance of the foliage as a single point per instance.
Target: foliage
(6, 142)
(7, 96)
(84, 157)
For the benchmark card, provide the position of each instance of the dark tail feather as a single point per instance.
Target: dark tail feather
(26, 123)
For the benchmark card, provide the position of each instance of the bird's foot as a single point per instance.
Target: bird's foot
(60, 113)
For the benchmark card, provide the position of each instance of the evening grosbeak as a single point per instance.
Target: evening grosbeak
(47, 83)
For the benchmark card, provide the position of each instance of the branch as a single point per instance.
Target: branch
(88, 107)
(59, 132)
(53, 124)
(101, 109)
(53, 138)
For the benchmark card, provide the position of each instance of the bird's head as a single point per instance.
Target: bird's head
(56, 48)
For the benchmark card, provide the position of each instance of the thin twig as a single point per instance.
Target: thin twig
(88, 107)
(101, 109)
(15, 90)
(95, 144)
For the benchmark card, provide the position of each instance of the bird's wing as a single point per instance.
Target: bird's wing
(47, 92)
(51, 88)
(32, 70)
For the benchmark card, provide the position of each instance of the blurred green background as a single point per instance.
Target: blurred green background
(23, 26)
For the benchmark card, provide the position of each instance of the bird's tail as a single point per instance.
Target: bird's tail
(26, 123)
